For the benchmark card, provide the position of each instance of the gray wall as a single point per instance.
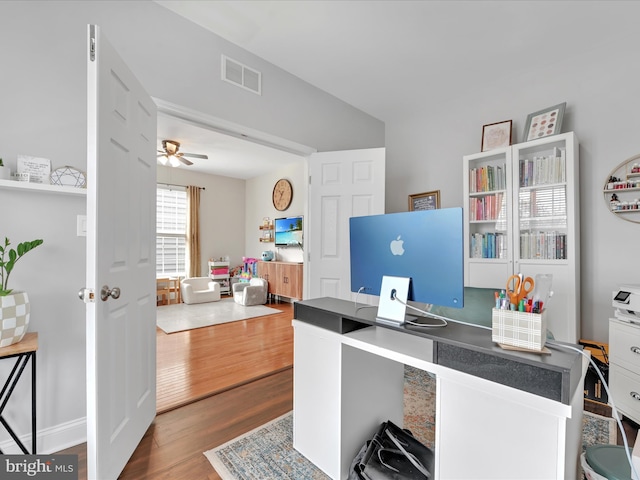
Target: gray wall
(602, 92)
(43, 91)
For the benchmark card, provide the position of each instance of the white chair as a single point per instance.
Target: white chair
(199, 290)
(252, 293)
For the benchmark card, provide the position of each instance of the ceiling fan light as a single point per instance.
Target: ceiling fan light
(174, 162)
(163, 159)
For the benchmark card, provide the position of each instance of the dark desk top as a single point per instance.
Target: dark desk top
(464, 348)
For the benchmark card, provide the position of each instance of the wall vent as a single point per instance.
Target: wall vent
(241, 75)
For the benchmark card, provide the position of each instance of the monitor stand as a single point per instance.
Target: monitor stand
(391, 311)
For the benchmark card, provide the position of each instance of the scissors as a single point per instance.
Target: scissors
(522, 286)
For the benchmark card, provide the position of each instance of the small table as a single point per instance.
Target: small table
(22, 351)
(165, 286)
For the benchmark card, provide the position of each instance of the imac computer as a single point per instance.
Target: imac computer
(415, 255)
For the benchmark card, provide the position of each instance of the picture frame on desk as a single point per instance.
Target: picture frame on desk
(424, 201)
(544, 123)
(496, 135)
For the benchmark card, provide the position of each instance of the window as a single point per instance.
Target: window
(171, 230)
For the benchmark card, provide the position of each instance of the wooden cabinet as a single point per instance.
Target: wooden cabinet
(284, 278)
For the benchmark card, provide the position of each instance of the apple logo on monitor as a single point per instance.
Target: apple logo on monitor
(396, 246)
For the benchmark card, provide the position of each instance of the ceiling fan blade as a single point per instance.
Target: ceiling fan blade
(195, 155)
(184, 160)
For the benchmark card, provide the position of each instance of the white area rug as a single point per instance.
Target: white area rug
(180, 317)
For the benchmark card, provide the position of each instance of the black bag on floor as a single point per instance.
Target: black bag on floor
(394, 454)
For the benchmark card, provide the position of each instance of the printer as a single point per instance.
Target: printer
(626, 301)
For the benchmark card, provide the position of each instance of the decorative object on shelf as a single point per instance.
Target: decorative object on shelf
(424, 201)
(544, 122)
(14, 306)
(282, 194)
(622, 190)
(267, 256)
(68, 177)
(496, 135)
(21, 177)
(39, 169)
(5, 173)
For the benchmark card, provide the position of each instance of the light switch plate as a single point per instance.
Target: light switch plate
(81, 225)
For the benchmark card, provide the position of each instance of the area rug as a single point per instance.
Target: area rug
(180, 317)
(267, 452)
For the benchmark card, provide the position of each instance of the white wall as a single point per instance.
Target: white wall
(259, 205)
(43, 85)
(602, 92)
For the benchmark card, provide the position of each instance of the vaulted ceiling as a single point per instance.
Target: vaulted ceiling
(393, 58)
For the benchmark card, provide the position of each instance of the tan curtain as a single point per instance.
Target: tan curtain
(193, 231)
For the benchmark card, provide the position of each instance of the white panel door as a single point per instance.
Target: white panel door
(121, 332)
(343, 184)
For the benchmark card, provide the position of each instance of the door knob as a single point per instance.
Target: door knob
(107, 292)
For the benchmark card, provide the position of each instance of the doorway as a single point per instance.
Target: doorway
(192, 365)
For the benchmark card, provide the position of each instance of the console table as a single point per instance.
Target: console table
(499, 414)
(22, 351)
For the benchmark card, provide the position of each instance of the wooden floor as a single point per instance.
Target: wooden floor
(198, 363)
(214, 384)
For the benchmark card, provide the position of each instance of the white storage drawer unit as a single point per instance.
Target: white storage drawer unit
(624, 367)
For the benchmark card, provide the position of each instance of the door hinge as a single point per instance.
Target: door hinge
(309, 179)
(92, 43)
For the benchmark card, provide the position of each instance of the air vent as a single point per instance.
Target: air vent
(241, 75)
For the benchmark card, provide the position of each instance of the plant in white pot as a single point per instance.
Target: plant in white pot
(14, 306)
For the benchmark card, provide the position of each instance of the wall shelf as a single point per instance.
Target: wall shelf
(39, 187)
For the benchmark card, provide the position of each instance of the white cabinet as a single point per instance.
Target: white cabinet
(624, 363)
(522, 216)
(219, 272)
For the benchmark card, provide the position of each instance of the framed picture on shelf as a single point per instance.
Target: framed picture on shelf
(424, 201)
(496, 135)
(544, 123)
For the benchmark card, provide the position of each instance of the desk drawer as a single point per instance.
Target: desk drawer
(625, 390)
(624, 344)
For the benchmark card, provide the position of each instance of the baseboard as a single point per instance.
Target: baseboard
(52, 439)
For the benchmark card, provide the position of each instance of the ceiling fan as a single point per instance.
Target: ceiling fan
(169, 154)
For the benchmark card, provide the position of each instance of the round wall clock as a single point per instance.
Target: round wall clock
(282, 194)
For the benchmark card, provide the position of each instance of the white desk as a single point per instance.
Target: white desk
(346, 384)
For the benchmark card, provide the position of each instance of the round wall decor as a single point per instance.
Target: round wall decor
(282, 194)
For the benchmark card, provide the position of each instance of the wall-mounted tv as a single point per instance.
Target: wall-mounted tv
(288, 231)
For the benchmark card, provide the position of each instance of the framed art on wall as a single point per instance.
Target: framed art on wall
(544, 123)
(424, 201)
(496, 135)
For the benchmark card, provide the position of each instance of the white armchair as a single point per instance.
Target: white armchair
(199, 290)
(252, 293)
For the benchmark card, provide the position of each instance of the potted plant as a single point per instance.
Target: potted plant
(5, 173)
(14, 306)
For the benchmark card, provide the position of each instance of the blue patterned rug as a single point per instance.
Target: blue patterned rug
(267, 452)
